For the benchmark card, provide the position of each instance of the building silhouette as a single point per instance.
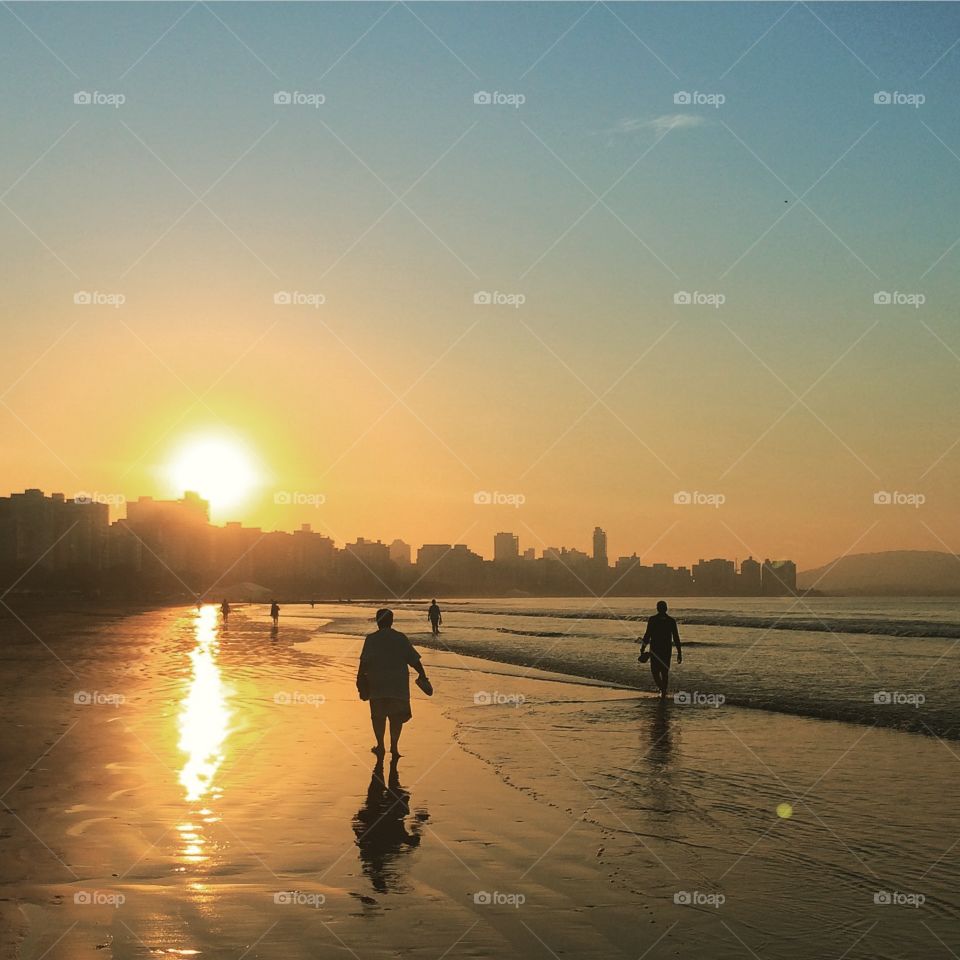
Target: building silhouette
(715, 577)
(600, 547)
(778, 578)
(400, 553)
(749, 579)
(52, 536)
(166, 549)
(506, 547)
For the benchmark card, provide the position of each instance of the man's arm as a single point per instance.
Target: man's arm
(413, 659)
(645, 639)
(676, 642)
(360, 670)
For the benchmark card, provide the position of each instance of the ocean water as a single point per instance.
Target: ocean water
(883, 662)
(817, 822)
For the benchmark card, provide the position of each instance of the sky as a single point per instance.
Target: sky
(631, 157)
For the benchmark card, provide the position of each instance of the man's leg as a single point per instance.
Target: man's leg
(379, 726)
(396, 726)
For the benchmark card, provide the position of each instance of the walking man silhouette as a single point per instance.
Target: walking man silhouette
(663, 636)
(383, 678)
(435, 617)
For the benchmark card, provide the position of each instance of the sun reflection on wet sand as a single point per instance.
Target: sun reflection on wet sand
(204, 726)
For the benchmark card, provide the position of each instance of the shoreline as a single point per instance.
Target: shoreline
(904, 721)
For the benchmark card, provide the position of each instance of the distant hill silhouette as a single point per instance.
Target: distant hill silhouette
(892, 573)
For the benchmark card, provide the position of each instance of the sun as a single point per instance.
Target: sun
(220, 469)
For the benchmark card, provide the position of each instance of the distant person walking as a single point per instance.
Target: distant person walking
(663, 636)
(383, 678)
(275, 611)
(225, 610)
(435, 618)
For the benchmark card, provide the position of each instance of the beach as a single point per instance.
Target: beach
(174, 787)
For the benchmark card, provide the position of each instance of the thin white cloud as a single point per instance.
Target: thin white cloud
(669, 121)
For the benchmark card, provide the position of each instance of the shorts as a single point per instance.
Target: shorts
(392, 708)
(661, 657)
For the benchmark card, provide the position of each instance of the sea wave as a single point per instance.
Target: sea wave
(942, 721)
(878, 626)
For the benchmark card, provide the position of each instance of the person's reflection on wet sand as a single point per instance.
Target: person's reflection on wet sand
(381, 829)
(659, 794)
(660, 736)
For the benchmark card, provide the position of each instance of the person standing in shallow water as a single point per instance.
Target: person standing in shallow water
(663, 636)
(435, 617)
(275, 611)
(383, 678)
(225, 610)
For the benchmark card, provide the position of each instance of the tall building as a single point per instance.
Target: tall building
(175, 534)
(400, 553)
(52, 534)
(749, 578)
(778, 578)
(714, 578)
(506, 547)
(373, 554)
(430, 554)
(600, 546)
(313, 554)
(234, 553)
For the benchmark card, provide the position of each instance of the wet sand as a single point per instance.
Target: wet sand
(172, 788)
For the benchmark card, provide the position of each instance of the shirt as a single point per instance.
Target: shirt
(662, 633)
(385, 660)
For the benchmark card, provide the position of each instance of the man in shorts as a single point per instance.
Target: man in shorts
(384, 678)
(663, 636)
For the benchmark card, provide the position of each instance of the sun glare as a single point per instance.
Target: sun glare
(220, 469)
